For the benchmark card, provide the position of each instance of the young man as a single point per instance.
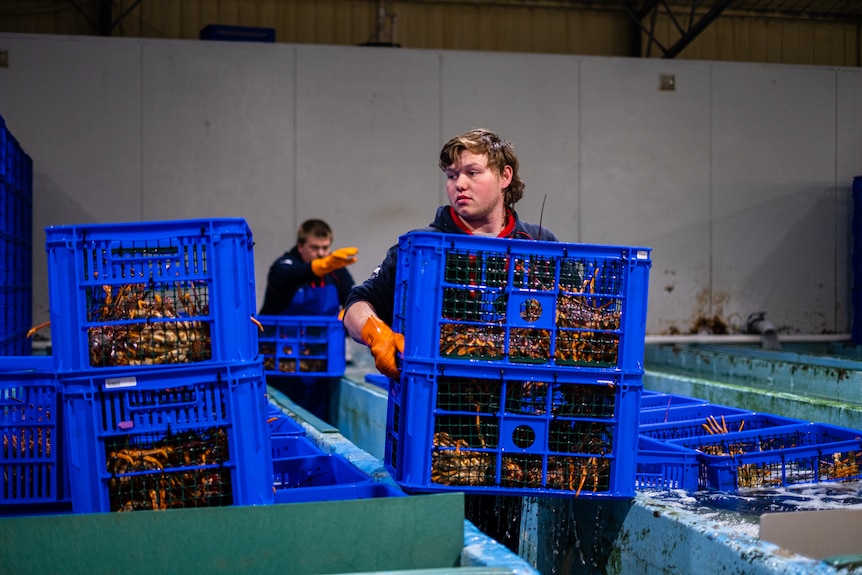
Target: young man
(483, 185)
(308, 279)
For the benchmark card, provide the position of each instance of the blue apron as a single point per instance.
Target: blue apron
(314, 300)
(309, 392)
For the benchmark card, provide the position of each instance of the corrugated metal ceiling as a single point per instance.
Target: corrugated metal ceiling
(836, 10)
(831, 9)
(691, 17)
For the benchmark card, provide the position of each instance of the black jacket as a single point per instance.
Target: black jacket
(289, 273)
(379, 289)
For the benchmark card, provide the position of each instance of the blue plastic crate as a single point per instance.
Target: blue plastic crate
(328, 477)
(284, 425)
(293, 446)
(517, 302)
(273, 410)
(338, 492)
(281, 424)
(33, 474)
(16, 195)
(714, 425)
(16, 319)
(7, 273)
(17, 174)
(12, 161)
(4, 135)
(6, 298)
(517, 431)
(27, 196)
(17, 208)
(664, 400)
(11, 224)
(302, 345)
(687, 411)
(16, 343)
(378, 379)
(777, 456)
(665, 466)
(151, 293)
(190, 436)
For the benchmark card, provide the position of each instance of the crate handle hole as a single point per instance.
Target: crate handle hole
(523, 436)
(531, 310)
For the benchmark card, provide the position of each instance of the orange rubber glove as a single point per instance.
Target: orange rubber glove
(384, 344)
(335, 261)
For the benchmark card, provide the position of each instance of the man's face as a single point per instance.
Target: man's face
(315, 247)
(475, 190)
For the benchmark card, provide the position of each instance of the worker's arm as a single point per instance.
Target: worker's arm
(364, 326)
(338, 259)
(355, 317)
(374, 296)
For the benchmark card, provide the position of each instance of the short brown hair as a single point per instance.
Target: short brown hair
(312, 229)
(500, 154)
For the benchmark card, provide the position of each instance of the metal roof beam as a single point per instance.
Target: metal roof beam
(688, 29)
(697, 27)
(125, 13)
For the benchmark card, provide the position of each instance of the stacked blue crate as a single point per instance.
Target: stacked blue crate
(280, 425)
(522, 367)
(659, 464)
(685, 412)
(307, 346)
(151, 294)
(696, 445)
(777, 456)
(651, 401)
(324, 477)
(35, 479)
(16, 247)
(164, 394)
(663, 466)
(714, 422)
(303, 472)
(284, 446)
(145, 439)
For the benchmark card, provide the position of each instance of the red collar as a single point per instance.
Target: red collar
(507, 229)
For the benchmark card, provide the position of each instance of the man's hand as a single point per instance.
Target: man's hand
(335, 261)
(384, 345)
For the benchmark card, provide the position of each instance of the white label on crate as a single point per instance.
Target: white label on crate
(115, 382)
(642, 255)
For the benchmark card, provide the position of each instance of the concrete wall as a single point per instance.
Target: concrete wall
(739, 179)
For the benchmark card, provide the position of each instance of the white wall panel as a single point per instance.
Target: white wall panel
(848, 85)
(74, 106)
(645, 177)
(773, 194)
(366, 142)
(218, 133)
(739, 179)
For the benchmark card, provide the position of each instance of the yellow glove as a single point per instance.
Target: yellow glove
(335, 261)
(384, 344)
